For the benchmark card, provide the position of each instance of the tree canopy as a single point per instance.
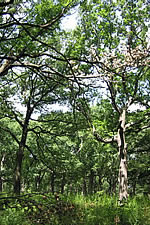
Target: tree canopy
(100, 72)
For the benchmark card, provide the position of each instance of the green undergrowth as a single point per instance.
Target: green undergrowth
(48, 209)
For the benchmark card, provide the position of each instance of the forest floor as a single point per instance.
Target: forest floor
(48, 209)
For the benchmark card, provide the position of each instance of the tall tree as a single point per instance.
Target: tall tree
(35, 95)
(33, 66)
(112, 46)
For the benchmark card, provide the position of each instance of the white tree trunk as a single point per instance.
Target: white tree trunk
(122, 146)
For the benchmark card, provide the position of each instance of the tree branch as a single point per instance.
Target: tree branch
(2, 4)
(100, 139)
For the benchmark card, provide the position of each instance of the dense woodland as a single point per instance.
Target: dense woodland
(74, 106)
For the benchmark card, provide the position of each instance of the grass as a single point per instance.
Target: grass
(97, 209)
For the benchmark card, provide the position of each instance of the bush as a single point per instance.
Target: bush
(13, 217)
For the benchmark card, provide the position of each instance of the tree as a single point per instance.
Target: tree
(32, 58)
(35, 94)
(106, 59)
(111, 46)
(31, 35)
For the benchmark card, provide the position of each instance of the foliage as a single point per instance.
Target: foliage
(97, 71)
(75, 209)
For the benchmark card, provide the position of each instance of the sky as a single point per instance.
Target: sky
(70, 22)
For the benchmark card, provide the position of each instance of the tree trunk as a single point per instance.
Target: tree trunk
(1, 184)
(122, 146)
(100, 182)
(38, 180)
(19, 156)
(71, 188)
(20, 152)
(63, 182)
(84, 186)
(17, 179)
(114, 184)
(91, 182)
(1, 170)
(53, 182)
(134, 188)
(109, 180)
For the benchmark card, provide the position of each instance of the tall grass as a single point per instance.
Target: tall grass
(97, 209)
(105, 210)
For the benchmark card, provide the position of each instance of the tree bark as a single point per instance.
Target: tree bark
(91, 182)
(18, 168)
(134, 187)
(38, 180)
(84, 186)
(122, 146)
(63, 182)
(20, 152)
(52, 183)
(1, 169)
